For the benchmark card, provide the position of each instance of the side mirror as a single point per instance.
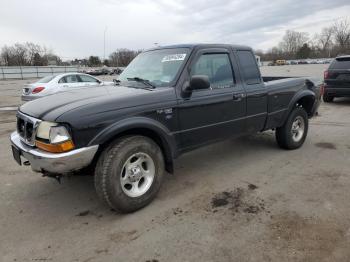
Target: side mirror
(199, 82)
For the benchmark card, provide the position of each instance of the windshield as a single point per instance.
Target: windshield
(159, 67)
(46, 79)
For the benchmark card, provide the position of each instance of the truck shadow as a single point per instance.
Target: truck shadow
(341, 101)
(227, 157)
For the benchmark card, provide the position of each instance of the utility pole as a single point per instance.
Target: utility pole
(104, 44)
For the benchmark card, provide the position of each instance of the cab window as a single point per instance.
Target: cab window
(218, 69)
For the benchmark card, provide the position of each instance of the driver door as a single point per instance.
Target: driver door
(215, 113)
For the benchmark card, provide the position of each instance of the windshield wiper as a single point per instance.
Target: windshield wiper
(141, 80)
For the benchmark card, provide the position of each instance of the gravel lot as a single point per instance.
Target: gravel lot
(240, 200)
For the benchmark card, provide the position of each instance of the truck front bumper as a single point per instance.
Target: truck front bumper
(54, 163)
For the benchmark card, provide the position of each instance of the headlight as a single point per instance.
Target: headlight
(53, 138)
(58, 134)
(43, 131)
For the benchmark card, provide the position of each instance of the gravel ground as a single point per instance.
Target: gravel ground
(240, 200)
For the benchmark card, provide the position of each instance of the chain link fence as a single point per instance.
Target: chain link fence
(26, 72)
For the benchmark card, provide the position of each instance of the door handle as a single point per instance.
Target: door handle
(65, 85)
(238, 97)
(258, 95)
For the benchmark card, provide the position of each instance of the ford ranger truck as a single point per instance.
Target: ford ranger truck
(168, 101)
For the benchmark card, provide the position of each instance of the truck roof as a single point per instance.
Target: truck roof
(202, 45)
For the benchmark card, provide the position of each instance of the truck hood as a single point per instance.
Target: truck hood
(94, 99)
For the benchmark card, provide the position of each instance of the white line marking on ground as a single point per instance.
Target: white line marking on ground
(9, 108)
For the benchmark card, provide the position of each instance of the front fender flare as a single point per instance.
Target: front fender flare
(168, 140)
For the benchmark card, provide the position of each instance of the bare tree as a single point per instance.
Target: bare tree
(20, 54)
(292, 41)
(122, 57)
(324, 42)
(34, 53)
(341, 31)
(27, 54)
(6, 55)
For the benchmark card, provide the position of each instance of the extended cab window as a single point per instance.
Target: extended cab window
(217, 67)
(249, 67)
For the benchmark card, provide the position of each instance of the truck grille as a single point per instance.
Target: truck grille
(26, 128)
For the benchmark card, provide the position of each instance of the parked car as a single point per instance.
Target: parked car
(58, 83)
(104, 71)
(116, 71)
(98, 71)
(337, 79)
(168, 101)
(280, 62)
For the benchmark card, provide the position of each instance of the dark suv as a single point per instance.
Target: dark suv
(337, 79)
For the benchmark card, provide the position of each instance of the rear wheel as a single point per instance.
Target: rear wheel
(293, 133)
(328, 98)
(129, 173)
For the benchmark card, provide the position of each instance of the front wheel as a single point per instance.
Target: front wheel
(129, 173)
(293, 133)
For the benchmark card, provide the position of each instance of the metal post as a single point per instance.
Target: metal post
(3, 74)
(20, 68)
(104, 45)
(37, 72)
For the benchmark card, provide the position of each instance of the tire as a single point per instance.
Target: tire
(123, 173)
(289, 136)
(328, 98)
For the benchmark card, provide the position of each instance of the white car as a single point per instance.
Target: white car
(58, 83)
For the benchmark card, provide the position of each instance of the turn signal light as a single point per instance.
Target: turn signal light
(38, 89)
(55, 148)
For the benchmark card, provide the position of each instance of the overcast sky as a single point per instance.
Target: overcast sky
(75, 28)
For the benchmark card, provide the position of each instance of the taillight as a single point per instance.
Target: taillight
(325, 75)
(38, 89)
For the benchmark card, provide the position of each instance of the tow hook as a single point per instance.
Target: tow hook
(55, 176)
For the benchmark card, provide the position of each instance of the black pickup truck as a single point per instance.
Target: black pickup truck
(169, 100)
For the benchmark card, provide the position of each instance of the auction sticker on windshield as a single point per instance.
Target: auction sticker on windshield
(174, 57)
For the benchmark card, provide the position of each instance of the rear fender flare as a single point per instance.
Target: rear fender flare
(295, 99)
